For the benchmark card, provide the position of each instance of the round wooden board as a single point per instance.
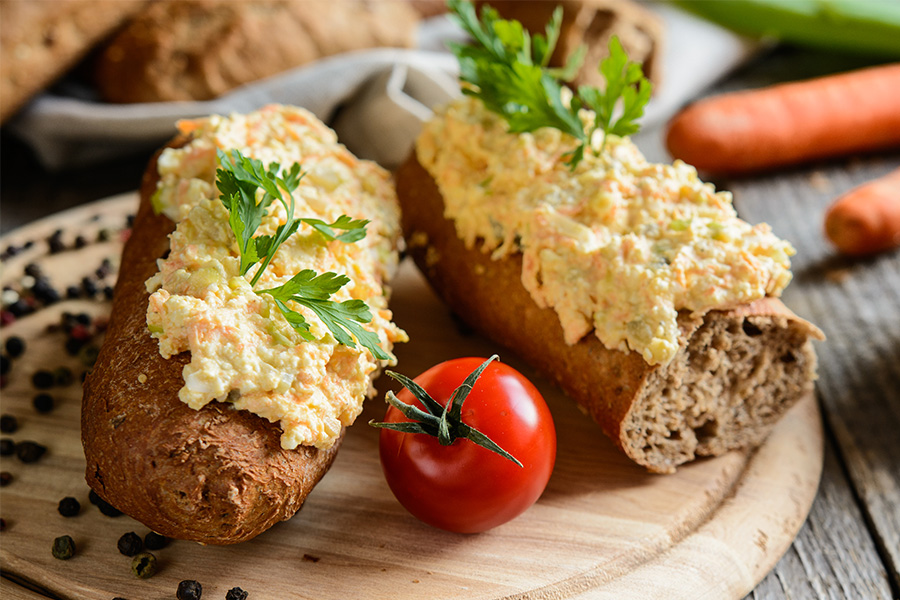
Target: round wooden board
(604, 528)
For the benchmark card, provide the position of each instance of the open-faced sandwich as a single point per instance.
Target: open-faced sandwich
(249, 320)
(632, 285)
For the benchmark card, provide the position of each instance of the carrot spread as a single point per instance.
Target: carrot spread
(618, 246)
(243, 350)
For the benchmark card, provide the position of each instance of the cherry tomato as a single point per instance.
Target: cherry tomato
(464, 487)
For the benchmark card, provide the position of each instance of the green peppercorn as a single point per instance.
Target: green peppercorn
(143, 565)
(130, 544)
(63, 547)
(189, 590)
(236, 593)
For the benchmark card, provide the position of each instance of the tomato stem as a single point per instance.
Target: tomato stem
(443, 422)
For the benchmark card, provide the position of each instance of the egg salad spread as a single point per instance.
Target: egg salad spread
(243, 350)
(618, 245)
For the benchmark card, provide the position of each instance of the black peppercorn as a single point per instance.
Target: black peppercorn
(43, 403)
(44, 291)
(63, 547)
(130, 544)
(189, 590)
(69, 507)
(33, 270)
(83, 319)
(2, 524)
(5, 364)
(80, 242)
(143, 565)
(15, 346)
(236, 593)
(73, 292)
(8, 424)
(43, 379)
(108, 292)
(88, 355)
(74, 346)
(103, 235)
(105, 507)
(20, 308)
(29, 452)
(7, 447)
(55, 242)
(89, 287)
(62, 376)
(5, 478)
(155, 541)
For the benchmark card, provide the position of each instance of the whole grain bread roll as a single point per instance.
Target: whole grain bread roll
(200, 49)
(735, 374)
(40, 41)
(215, 475)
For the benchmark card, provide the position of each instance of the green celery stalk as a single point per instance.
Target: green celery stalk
(863, 27)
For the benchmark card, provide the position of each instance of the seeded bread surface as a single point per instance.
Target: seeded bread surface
(736, 373)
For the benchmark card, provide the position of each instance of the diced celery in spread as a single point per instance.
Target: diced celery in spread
(242, 349)
(618, 246)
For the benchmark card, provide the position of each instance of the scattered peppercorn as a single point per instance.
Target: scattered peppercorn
(82, 319)
(44, 291)
(7, 447)
(62, 376)
(43, 379)
(80, 242)
(108, 292)
(55, 242)
(5, 478)
(74, 346)
(80, 332)
(189, 590)
(89, 287)
(2, 524)
(33, 269)
(73, 292)
(130, 544)
(29, 452)
(43, 403)
(20, 308)
(15, 346)
(155, 541)
(104, 269)
(63, 547)
(103, 235)
(8, 424)
(143, 565)
(105, 507)
(236, 593)
(69, 507)
(7, 318)
(129, 221)
(5, 364)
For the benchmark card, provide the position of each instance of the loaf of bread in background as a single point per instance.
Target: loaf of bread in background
(735, 374)
(593, 23)
(200, 49)
(40, 41)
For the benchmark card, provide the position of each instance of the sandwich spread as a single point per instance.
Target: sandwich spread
(242, 348)
(617, 245)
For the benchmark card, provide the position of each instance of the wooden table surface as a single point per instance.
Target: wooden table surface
(850, 544)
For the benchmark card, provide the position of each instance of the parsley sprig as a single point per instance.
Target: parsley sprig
(239, 178)
(507, 69)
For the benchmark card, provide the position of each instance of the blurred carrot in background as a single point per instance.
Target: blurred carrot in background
(866, 219)
(791, 123)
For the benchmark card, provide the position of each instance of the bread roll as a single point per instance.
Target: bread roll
(735, 373)
(217, 475)
(200, 49)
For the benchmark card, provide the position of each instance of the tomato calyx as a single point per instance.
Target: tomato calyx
(443, 422)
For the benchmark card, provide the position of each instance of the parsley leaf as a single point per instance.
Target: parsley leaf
(239, 179)
(308, 289)
(506, 68)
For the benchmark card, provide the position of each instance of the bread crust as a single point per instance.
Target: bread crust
(660, 416)
(214, 475)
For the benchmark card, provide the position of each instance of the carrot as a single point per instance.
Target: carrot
(866, 219)
(790, 123)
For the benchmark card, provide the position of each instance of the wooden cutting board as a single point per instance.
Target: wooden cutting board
(604, 528)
